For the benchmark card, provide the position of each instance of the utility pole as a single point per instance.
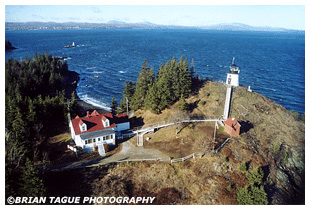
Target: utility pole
(214, 140)
(127, 106)
(215, 130)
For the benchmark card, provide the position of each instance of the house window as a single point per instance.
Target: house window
(106, 123)
(89, 141)
(83, 127)
(98, 139)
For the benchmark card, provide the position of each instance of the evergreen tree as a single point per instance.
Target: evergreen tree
(253, 194)
(173, 81)
(32, 185)
(128, 93)
(122, 106)
(144, 82)
(255, 177)
(114, 106)
(182, 104)
(152, 100)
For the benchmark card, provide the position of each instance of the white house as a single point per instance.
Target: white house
(97, 129)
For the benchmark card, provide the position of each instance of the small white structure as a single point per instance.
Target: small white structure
(233, 75)
(249, 89)
(97, 129)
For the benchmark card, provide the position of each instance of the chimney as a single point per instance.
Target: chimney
(88, 114)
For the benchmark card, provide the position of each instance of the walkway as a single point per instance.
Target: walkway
(129, 152)
(146, 128)
(142, 130)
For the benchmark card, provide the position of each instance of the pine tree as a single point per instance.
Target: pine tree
(128, 93)
(122, 106)
(152, 100)
(114, 106)
(182, 104)
(32, 185)
(144, 82)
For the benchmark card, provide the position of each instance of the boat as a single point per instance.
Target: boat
(70, 46)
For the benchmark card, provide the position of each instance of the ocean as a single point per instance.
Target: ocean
(272, 63)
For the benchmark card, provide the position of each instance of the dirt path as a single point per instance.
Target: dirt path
(129, 152)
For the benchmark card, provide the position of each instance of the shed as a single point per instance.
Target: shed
(232, 127)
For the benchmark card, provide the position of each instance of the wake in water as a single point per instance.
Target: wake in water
(94, 102)
(94, 67)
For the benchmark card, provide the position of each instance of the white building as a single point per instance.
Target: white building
(233, 75)
(97, 129)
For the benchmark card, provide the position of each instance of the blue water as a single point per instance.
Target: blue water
(272, 63)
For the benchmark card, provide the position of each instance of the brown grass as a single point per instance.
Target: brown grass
(205, 181)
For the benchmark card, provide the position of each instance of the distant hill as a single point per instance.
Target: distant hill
(116, 24)
(243, 27)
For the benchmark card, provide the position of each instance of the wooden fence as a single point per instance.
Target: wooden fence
(193, 155)
(123, 161)
(200, 154)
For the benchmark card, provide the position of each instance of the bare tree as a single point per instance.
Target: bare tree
(178, 117)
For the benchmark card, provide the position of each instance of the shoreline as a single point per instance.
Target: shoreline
(71, 79)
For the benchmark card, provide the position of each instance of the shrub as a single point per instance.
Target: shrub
(251, 195)
(202, 102)
(276, 148)
(255, 177)
(106, 147)
(183, 105)
(243, 166)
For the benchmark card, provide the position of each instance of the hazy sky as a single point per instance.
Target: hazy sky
(288, 16)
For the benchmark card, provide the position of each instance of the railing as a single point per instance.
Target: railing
(200, 154)
(169, 123)
(146, 159)
(185, 158)
(122, 161)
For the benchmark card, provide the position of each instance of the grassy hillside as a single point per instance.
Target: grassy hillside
(271, 138)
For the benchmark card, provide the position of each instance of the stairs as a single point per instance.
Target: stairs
(140, 140)
(101, 149)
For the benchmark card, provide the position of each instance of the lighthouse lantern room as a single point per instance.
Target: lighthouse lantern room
(233, 75)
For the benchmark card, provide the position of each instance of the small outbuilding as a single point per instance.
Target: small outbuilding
(232, 127)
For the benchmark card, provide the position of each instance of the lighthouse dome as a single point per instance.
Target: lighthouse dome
(234, 69)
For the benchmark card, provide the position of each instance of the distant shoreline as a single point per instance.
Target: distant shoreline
(15, 26)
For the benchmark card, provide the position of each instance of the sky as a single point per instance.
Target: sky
(284, 16)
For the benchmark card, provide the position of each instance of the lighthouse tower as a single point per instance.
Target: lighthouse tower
(233, 75)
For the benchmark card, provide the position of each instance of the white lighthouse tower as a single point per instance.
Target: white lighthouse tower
(232, 81)
(233, 75)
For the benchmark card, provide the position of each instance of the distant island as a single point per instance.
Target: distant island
(125, 25)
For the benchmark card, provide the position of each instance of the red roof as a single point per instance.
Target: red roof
(231, 122)
(94, 121)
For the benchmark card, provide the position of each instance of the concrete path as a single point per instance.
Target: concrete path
(129, 152)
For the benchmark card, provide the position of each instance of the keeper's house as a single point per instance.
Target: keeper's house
(97, 129)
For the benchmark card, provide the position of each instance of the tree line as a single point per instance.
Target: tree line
(174, 82)
(35, 106)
